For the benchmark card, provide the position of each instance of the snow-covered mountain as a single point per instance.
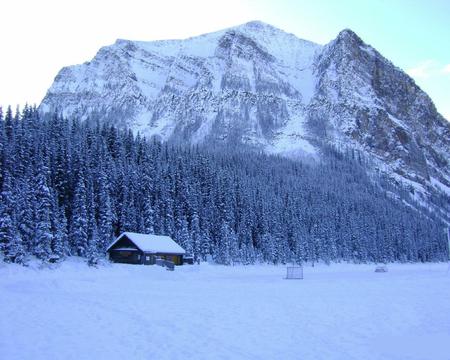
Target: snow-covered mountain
(257, 85)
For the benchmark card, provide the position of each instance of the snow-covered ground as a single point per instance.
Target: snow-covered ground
(216, 312)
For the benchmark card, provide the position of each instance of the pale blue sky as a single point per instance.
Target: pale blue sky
(39, 37)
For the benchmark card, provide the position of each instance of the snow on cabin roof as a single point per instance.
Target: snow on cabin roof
(152, 243)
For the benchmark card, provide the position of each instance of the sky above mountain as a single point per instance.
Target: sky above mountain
(39, 38)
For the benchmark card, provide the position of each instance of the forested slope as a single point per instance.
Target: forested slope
(68, 188)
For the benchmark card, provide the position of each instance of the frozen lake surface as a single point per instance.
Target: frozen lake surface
(215, 312)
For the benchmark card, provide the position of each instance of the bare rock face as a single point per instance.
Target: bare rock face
(255, 85)
(364, 100)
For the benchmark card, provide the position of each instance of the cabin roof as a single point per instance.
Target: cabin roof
(151, 243)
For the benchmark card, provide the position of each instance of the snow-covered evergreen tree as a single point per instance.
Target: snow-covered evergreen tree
(79, 226)
(183, 237)
(196, 236)
(227, 252)
(149, 217)
(25, 212)
(85, 182)
(92, 251)
(11, 246)
(60, 244)
(105, 218)
(43, 235)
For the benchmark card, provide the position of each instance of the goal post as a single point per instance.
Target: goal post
(448, 242)
(294, 272)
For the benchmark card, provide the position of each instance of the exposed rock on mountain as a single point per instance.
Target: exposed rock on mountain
(258, 86)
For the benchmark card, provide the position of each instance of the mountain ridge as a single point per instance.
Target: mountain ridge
(257, 86)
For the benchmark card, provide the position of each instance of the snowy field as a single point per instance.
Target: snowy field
(216, 312)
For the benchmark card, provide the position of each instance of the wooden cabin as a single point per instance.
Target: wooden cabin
(134, 248)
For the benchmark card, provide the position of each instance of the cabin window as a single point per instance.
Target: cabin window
(124, 254)
(147, 258)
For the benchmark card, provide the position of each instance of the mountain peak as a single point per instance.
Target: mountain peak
(349, 35)
(259, 86)
(259, 28)
(257, 24)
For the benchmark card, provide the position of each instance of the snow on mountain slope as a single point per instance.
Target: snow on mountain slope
(364, 102)
(236, 85)
(258, 86)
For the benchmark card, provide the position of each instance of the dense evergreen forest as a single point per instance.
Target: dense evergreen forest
(68, 188)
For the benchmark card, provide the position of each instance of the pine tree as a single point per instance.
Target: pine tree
(196, 237)
(92, 251)
(237, 206)
(42, 208)
(25, 212)
(60, 244)
(183, 236)
(90, 209)
(78, 229)
(11, 247)
(9, 124)
(149, 217)
(227, 247)
(205, 245)
(127, 208)
(105, 235)
(2, 146)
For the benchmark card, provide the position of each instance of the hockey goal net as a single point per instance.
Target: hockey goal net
(294, 272)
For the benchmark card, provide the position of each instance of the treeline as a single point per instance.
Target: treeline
(68, 188)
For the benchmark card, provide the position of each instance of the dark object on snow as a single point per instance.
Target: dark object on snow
(381, 269)
(294, 272)
(54, 259)
(188, 259)
(147, 249)
(169, 265)
(160, 262)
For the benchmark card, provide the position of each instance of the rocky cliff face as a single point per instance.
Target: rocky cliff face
(258, 86)
(245, 85)
(364, 100)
